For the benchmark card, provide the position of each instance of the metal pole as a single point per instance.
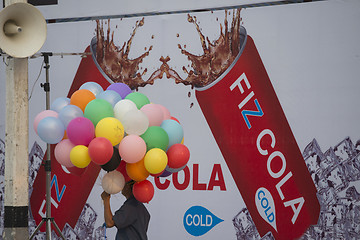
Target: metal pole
(46, 87)
(47, 165)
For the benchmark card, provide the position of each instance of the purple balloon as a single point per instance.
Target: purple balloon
(120, 88)
(165, 173)
(80, 131)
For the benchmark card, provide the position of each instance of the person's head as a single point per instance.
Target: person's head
(127, 190)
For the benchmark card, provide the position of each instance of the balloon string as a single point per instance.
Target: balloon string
(104, 225)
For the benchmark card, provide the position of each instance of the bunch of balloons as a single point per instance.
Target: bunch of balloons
(118, 129)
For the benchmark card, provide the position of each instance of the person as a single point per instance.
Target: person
(132, 218)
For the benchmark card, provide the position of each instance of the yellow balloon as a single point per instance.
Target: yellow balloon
(110, 128)
(79, 156)
(155, 160)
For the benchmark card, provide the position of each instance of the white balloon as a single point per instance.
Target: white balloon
(113, 182)
(122, 107)
(135, 122)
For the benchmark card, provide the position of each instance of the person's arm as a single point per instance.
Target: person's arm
(107, 210)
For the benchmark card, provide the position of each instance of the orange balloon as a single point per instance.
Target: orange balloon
(65, 135)
(137, 171)
(81, 98)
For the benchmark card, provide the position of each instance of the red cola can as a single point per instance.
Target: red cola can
(70, 188)
(256, 141)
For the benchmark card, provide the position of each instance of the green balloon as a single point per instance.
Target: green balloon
(138, 98)
(98, 109)
(155, 137)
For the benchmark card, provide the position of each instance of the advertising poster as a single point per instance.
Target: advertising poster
(267, 101)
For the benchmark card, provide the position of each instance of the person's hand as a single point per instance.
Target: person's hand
(105, 196)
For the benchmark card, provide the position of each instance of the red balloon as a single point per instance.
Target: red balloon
(76, 171)
(143, 191)
(122, 168)
(100, 150)
(178, 155)
(158, 174)
(174, 118)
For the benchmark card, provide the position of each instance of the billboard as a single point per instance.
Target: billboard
(91, 8)
(266, 96)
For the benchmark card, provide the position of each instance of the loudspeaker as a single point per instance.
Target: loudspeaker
(22, 30)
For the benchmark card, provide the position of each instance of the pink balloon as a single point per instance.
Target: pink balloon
(165, 112)
(132, 148)
(62, 152)
(80, 131)
(42, 115)
(154, 113)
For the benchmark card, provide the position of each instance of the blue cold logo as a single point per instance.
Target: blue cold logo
(198, 220)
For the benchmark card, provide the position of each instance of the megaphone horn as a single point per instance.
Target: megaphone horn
(22, 30)
(10, 28)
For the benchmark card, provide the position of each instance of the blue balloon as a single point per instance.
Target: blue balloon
(174, 131)
(70, 112)
(93, 87)
(51, 130)
(59, 104)
(174, 170)
(110, 95)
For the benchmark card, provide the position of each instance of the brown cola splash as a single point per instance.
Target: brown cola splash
(206, 68)
(115, 62)
(217, 56)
